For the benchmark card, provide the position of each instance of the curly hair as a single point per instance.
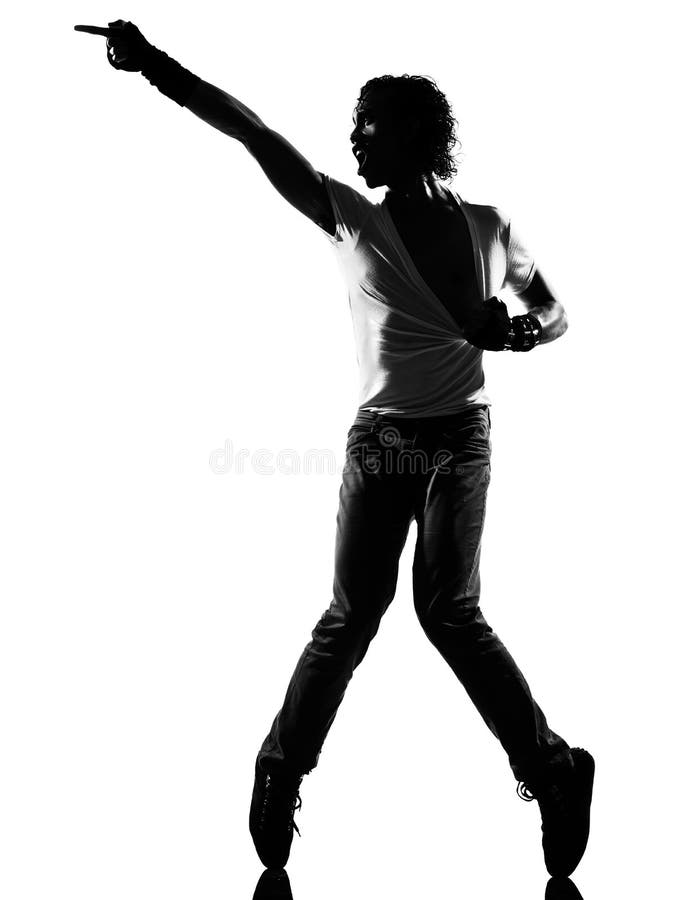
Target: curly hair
(420, 97)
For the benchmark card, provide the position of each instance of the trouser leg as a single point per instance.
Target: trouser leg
(372, 525)
(446, 582)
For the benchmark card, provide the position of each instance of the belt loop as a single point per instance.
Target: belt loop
(376, 424)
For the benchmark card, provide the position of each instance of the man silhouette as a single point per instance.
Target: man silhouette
(423, 269)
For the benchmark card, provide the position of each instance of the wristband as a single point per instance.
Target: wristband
(525, 333)
(168, 76)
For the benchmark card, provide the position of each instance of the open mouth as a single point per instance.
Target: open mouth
(361, 156)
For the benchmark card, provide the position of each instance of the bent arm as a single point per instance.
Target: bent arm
(288, 171)
(540, 301)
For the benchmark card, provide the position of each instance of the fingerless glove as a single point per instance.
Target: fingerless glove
(138, 55)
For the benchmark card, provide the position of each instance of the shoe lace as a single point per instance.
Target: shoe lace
(551, 797)
(283, 791)
(524, 792)
(295, 808)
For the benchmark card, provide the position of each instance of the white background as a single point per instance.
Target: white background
(160, 298)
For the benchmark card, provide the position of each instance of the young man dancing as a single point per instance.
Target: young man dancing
(423, 269)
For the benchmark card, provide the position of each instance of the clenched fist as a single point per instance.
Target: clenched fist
(491, 327)
(127, 49)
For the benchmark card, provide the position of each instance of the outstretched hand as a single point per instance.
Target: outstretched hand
(489, 327)
(127, 48)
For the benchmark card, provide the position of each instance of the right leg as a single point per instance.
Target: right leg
(375, 511)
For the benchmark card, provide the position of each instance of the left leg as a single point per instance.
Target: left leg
(450, 514)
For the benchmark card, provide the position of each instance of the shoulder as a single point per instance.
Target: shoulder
(344, 193)
(491, 224)
(349, 206)
(487, 215)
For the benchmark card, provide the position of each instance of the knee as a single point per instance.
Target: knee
(456, 619)
(343, 627)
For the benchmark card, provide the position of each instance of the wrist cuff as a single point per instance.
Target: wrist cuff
(527, 332)
(168, 76)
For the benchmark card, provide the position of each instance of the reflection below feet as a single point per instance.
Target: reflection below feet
(561, 889)
(274, 885)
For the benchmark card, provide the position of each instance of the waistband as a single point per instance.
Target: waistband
(429, 424)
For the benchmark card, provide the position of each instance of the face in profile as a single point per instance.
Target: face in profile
(382, 141)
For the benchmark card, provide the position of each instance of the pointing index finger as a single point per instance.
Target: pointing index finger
(95, 29)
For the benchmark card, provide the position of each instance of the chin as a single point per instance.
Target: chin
(371, 179)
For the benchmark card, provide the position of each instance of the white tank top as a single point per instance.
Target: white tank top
(412, 356)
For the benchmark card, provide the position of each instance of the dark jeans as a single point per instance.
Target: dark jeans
(436, 471)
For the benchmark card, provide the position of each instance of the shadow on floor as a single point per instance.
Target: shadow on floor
(560, 889)
(274, 884)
